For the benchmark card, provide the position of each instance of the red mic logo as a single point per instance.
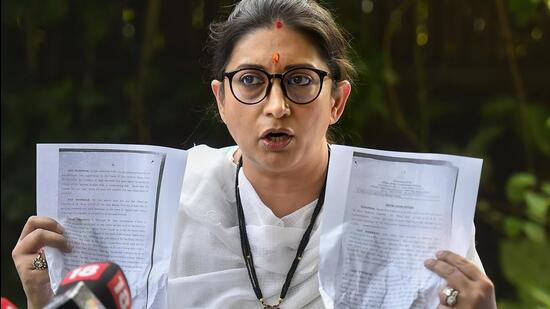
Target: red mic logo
(120, 291)
(6, 304)
(87, 272)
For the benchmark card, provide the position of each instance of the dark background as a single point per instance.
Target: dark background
(462, 77)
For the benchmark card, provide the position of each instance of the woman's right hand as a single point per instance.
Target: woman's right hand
(37, 233)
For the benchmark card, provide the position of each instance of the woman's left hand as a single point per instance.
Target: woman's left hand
(475, 289)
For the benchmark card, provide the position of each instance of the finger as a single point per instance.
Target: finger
(36, 283)
(466, 267)
(39, 238)
(454, 277)
(36, 222)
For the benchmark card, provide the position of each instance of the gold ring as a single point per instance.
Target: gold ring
(39, 262)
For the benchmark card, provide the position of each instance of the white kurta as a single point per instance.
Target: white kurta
(207, 268)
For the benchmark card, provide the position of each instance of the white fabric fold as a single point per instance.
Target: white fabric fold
(207, 268)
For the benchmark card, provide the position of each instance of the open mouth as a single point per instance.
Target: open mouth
(276, 140)
(277, 136)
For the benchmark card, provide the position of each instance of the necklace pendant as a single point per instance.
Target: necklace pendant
(274, 306)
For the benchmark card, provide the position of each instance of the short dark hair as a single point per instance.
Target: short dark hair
(305, 16)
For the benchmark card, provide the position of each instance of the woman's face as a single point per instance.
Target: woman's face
(276, 134)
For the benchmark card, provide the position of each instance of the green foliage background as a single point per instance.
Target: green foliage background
(461, 77)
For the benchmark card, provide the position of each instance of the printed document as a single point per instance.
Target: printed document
(390, 211)
(117, 203)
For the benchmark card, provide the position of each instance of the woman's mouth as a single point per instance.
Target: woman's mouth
(276, 141)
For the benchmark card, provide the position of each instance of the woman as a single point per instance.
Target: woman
(248, 213)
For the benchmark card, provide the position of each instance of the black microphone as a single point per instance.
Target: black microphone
(99, 285)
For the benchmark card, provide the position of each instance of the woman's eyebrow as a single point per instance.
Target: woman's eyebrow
(299, 65)
(250, 66)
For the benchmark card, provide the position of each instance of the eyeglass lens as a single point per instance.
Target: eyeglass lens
(300, 85)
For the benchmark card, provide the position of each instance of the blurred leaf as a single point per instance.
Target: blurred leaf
(537, 207)
(534, 231)
(51, 11)
(391, 77)
(128, 15)
(517, 186)
(546, 188)
(515, 305)
(526, 265)
(512, 226)
(197, 19)
(523, 11)
(499, 108)
(540, 295)
(540, 133)
(96, 23)
(479, 143)
(483, 205)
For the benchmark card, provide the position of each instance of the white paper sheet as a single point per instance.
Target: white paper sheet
(385, 213)
(117, 203)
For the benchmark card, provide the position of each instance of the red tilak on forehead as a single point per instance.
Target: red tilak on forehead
(278, 24)
(275, 57)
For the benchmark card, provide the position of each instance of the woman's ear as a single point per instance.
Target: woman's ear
(339, 99)
(217, 88)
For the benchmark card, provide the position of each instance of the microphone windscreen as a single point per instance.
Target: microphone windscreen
(105, 280)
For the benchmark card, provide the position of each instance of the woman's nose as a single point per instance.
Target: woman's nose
(276, 105)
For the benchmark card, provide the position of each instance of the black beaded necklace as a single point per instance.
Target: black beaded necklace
(247, 253)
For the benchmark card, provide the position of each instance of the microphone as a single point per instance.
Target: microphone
(6, 304)
(99, 285)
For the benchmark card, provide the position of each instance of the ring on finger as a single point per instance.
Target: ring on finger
(451, 296)
(39, 262)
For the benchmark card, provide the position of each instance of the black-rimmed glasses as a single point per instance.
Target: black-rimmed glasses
(299, 85)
